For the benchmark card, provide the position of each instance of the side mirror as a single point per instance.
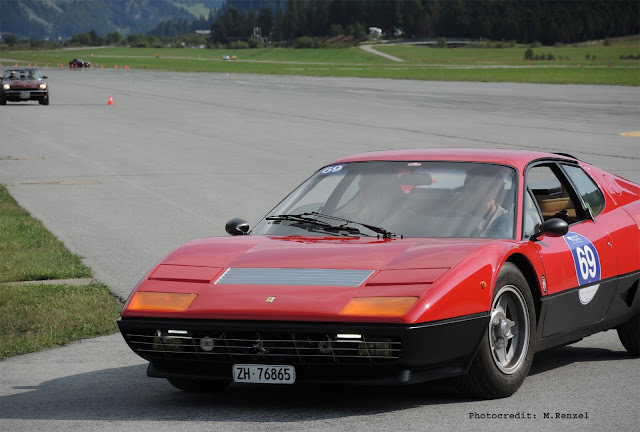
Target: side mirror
(237, 226)
(555, 227)
(44, 77)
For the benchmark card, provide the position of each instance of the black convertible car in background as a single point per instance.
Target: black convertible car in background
(79, 63)
(19, 85)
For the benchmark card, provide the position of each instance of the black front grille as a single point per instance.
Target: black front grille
(17, 92)
(262, 347)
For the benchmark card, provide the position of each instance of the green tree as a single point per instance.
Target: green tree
(234, 22)
(528, 54)
(278, 29)
(251, 22)
(291, 23)
(219, 31)
(94, 39)
(11, 40)
(265, 21)
(80, 39)
(137, 41)
(335, 30)
(319, 10)
(358, 31)
(113, 38)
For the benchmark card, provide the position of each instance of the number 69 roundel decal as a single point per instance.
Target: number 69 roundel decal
(585, 258)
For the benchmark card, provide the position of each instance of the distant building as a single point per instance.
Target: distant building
(203, 32)
(375, 31)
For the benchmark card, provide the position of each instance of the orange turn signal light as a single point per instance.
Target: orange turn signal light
(161, 301)
(379, 306)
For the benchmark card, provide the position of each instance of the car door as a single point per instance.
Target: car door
(580, 267)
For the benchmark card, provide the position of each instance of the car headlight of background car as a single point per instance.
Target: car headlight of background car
(6, 86)
(43, 86)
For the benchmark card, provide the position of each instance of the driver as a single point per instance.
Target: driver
(481, 193)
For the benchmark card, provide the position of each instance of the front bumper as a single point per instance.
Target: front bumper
(384, 354)
(18, 95)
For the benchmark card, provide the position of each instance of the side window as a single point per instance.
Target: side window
(591, 194)
(552, 195)
(532, 219)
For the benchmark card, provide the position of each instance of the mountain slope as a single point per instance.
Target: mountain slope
(51, 19)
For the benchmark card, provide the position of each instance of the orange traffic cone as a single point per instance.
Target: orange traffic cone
(110, 101)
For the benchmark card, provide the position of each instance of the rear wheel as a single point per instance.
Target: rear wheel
(506, 351)
(629, 334)
(198, 386)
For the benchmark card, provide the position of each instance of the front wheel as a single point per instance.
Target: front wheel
(44, 101)
(629, 334)
(506, 351)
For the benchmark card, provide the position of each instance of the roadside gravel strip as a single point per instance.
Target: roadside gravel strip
(70, 282)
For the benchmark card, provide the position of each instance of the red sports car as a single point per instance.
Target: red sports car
(20, 85)
(401, 267)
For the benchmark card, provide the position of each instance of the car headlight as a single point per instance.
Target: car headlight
(6, 86)
(43, 86)
(161, 301)
(379, 306)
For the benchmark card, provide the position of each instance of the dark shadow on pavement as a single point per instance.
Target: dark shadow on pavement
(128, 394)
(563, 356)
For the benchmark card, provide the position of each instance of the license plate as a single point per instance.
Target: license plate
(25, 95)
(264, 374)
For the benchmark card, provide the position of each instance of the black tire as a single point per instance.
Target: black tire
(44, 101)
(196, 386)
(629, 334)
(504, 356)
(3, 100)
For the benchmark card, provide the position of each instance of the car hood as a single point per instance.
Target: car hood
(324, 252)
(25, 84)
(314, 278)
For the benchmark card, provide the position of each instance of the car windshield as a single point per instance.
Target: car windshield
(408, 199)
(22, 74)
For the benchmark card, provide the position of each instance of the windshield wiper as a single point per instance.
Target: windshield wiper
(307, 218)
(376, 229)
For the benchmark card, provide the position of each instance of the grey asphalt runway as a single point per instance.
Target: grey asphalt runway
(177, 155)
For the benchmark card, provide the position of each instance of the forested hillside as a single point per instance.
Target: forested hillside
(525, 21)
(42, 19)
(546, 21)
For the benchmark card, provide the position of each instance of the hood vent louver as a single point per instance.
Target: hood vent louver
(293, 276)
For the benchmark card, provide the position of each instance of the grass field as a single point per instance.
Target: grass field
(565, 55)
(28, 251)
(570, 66)
(35, 316)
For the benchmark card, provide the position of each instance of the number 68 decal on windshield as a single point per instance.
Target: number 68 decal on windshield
(585, 258)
